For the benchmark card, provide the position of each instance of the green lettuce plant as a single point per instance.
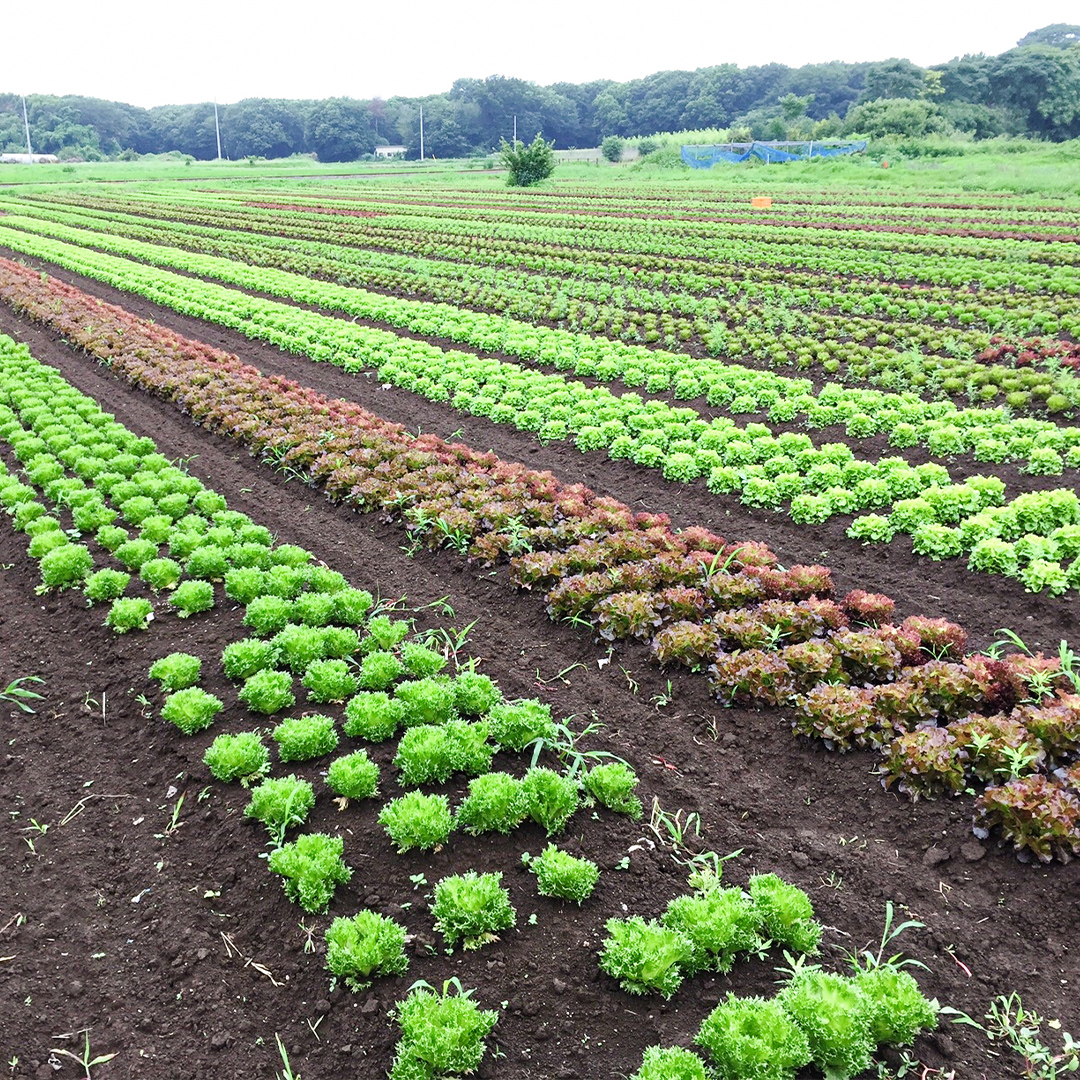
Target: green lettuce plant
(612, 785)
(301, 738)
(298, 647)
(426, 700)
(129, 613)
(899, 1011)
(379, 670)
(354, 776)
(312, 867)
(753, 1039)
(563, 876)
(65, 567)
(329, 680)
(516, 724)
(279, 803)
(191, 597)
(495, 803)
(835, 1017)
(244, 658)
(785, 912)
(718, 923)
(442, 1034)
(191, 710)
(107, 584)
(472, 908)
(374, 716)
(474, 694)
(364, 947)
(177, 671)
(416, 820)
(268, 692)
(645, 957)
(551, 798)
(670, 1063)
(240, 757)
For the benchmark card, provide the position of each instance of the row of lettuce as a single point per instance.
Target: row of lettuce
(765, 635)
(1034, 536)
(890, 335)
(448, 722)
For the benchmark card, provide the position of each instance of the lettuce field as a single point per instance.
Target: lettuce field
(602, 630)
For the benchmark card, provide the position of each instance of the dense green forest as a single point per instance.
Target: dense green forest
(1032, 90)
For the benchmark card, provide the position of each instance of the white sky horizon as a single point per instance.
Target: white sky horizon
(150, 55)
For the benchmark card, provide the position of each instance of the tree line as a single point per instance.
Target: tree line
(1032, 90)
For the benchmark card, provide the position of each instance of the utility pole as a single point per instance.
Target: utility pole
(515, 131)
(217, 128)
(26, 124)
(421, 132)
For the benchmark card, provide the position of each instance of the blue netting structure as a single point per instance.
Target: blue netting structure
(704, 157)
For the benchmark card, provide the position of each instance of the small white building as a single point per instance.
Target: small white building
(389, 151)
(28, 159)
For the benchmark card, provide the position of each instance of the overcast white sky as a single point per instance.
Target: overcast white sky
(154, 53)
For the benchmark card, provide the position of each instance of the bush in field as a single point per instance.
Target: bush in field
(530, 164)
(612, 148)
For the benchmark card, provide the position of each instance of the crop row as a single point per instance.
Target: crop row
(767, 636)
(945, 519)
(782, 322)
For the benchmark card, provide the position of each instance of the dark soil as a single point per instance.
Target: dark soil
(178, 950)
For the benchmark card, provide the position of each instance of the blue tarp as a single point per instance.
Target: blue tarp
(704, 157)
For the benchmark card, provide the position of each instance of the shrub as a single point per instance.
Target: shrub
(753, 1039)
(416, 820)
(105, 584)
(373, 716)
(240, 757)
(280, 802)
(551, 798)
(527, 165)
(312, 867)
(301, 738)
(719, 924)
(495, 803)
(65, 566)
(835, 1018)
(191, 710)
(472, 908)
(329, 680)
(442, 1035)
(354, 776)
(268, 692)
(365, 946)
(177, 671)
(560, 874)
(129, 613)
(516, 724)
(612, 148)
(242, 659)
(785, 912)
(612, 785)
(645, 957)
(191, 597)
